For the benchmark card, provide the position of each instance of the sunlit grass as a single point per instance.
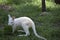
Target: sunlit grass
(3, 1)
(50, 4)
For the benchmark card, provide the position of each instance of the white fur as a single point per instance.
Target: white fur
(25, 22)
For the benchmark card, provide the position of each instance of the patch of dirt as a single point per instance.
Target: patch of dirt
(44, 13)
(6, 7)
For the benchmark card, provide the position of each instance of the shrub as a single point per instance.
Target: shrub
(7, 29)
(18, 1)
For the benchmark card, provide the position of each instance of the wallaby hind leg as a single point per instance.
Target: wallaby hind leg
(21, 31)
(26, 29)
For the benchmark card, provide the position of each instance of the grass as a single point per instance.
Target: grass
(47, 25)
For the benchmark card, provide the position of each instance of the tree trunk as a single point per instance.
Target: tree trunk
(43, 6)
(57, 1)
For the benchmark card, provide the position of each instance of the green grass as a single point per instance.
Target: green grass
(47, 25)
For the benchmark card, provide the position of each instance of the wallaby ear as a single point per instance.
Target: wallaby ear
(9, 15)
(13, 17)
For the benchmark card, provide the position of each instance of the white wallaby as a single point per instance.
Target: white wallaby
(25, 23)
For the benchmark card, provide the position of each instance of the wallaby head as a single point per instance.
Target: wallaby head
(10, 20)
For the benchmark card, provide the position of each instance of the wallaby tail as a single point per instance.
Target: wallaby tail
(33, 27)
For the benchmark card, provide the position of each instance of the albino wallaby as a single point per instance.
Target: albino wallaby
(25, 22)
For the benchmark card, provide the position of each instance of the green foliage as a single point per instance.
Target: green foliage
(7, 30)
(3, 1)
(18, 1)
(3, 16)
